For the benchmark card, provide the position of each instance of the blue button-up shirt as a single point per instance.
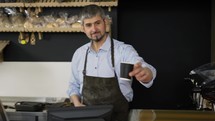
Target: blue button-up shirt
(99, 65)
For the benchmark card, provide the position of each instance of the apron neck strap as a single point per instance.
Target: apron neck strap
(112, 52)
(112, 57)
(85, 62)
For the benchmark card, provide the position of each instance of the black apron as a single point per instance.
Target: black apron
(103, 91)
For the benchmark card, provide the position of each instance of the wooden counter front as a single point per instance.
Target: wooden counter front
(170, 115)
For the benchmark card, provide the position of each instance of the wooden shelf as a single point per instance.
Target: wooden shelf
(53, 29)
(40, 30)
(20, 29)
(70, 4)
(43, 29)
(11, 5)
(57, 4)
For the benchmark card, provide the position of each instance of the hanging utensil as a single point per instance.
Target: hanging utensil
(33, 39)
(40, 35)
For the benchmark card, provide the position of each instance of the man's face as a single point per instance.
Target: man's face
(94, 28)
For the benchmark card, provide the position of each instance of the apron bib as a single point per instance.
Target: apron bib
(105, 91)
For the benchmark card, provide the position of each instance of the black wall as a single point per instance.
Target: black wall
(173, 36)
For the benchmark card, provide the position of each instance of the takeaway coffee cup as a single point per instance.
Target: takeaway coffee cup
(125, 68)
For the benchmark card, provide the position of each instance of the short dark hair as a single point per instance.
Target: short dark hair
(90, 11)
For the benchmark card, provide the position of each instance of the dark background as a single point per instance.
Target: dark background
(172, 35)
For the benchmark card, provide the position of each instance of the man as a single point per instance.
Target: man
(96, 67)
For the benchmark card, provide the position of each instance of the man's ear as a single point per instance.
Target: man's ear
(105, 20)
(107, 23)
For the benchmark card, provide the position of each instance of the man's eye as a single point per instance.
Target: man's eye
(88, 25)
(97, 23)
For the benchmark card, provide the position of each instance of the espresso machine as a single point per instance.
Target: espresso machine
(203, 86)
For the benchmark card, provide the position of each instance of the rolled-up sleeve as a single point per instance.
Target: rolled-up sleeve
(74, 82)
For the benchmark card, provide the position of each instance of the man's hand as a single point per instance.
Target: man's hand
(78, 104)
(76, 101)
(141, 74)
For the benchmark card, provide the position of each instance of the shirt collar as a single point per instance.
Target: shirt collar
(105, 46)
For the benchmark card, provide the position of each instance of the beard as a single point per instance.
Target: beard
(98, 37)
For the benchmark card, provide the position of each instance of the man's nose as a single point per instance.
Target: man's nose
(94, 28)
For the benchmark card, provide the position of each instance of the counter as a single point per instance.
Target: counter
(170, 115)
(135, 115)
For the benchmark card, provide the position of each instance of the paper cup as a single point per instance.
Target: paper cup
(125, 69)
